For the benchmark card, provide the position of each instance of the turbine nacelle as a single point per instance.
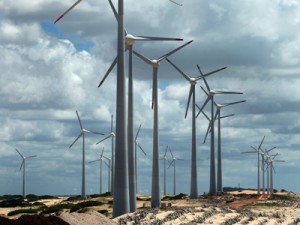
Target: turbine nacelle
(193, 81)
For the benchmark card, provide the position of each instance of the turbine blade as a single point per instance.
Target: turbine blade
(94, 161)
(108, 71)
(79, 120)
(176, 3)
(228, 92)
(227, 116)
(102, 153)
(107, 164)
(141, 148)
(206, 116)
(173, 51)
(96, 133)
(19, 153)
(166, 150)
(148, 38)
(204, 91)
(171, 163)
(66, 12)
(22, 164)
(250, 152)
(259, 147)
(114, 10)
(32, 156)
(210, 73)
(207, 131)
(200, 110)
(188, 102)
(180, 71)
(75, 140)
(137, 133)
(108, 136)
(271, 149)
(171, 153)
(206, 84)
(233, 103)
(142, 57)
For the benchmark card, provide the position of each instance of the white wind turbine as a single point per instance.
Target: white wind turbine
(129, 42)
(24, 165)
(121, 197)
(211, 93)
(155, 200)
(271, 169)
(136, 146)
(82, 134)
(164, 157)
(219, 164)
(112, 136)
(258, 151)
(101, 162)
(193, 82)
(173, 163)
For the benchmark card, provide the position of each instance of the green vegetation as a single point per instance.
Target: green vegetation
(23, 211)
(175, 197)
(56, 208)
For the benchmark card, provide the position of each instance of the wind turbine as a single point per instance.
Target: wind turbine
(193, 82)
(173, 163)
(82, 134)
(155, 196)
(136, 146)
(210, 97)
(129, 42)
(121, 197)
(23, 165)
(112, 136)
(271, 168)
(257, 150)
(101, 161)
(165, 179)
(219, 165)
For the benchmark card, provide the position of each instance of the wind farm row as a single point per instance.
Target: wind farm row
(122, 162)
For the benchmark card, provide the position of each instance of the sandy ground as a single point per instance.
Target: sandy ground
(217, 210)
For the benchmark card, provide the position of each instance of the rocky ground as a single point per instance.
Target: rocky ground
(225, 209)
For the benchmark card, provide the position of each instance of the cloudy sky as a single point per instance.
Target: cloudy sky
(49, 71)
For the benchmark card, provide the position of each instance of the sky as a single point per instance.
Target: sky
(49, 71)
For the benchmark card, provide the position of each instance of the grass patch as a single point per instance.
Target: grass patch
(85, 204)
(175, 197)
(57, 208)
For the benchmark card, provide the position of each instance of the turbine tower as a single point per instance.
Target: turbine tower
(193, 82)
(82, 134)
(101, 162)
(257, 150)
(155, 200)
(164, 157)
(210, 97)
(173, 163)
(24, 165)
(112, 136)
(136, 146)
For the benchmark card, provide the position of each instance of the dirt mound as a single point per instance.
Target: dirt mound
(33, 220)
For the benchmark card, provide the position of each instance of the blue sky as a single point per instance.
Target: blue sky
(49, 71)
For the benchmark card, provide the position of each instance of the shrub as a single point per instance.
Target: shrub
(85, 204)
(56, 208)
(23, 211)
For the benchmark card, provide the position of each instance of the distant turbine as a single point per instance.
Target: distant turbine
(267, 161)
(23, 165)
(82, 134)
(193, 82)
(173, 163)
(210, 97)
(164, 157)
(136, 146)
(100, 160)
(271, 168)
(112, 136)
(219, 165)
(155, 200)
(258, 151)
